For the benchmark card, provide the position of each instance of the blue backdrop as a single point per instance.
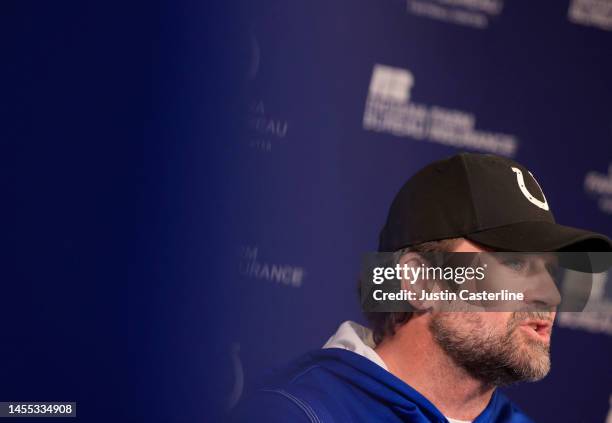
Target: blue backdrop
(345, 100)
(191, 184)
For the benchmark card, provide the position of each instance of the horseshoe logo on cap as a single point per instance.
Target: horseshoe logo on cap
(521, 183)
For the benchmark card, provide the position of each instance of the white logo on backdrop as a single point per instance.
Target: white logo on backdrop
(255, 57)
(471, 13)
(600, 185)
(595, 13)
(265, 129)
(390, 109)
(521, 183)
(252, 266)
(392, 84)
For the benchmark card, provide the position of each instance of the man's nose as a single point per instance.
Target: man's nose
(542, 292)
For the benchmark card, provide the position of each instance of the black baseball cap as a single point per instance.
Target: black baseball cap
(491, 200)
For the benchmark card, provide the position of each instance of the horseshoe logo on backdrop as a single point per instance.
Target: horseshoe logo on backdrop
(236, 393)
(521, 183)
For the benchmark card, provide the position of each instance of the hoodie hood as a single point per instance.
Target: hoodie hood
(353, 337)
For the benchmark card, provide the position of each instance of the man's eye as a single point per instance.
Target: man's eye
(515, 264)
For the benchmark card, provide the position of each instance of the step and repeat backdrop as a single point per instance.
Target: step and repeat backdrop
(195, 182)
(340, 102)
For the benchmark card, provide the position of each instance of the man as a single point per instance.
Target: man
(432, 365)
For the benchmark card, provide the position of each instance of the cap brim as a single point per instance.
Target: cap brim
(541, 237)
(549, 237)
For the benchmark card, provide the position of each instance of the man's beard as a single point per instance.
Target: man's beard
(496, 359)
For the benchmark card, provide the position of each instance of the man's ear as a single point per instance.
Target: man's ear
(417, 282)
(411, 260)
(412, 266)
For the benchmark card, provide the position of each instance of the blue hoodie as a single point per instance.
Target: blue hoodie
(338, 385)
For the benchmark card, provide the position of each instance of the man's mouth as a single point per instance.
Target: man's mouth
(539, 329)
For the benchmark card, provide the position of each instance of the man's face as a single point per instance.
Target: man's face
(497, 348)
